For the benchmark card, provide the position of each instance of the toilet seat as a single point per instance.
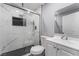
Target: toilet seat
(37, 50)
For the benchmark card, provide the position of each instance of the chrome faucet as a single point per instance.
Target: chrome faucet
(64, 36)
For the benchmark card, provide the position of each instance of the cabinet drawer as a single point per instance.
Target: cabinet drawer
(43, 43)
(63, 53)
(50, 50)
(51, 43)
(68, 49)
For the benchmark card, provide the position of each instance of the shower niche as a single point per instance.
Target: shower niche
(18, 21)
(67, 20)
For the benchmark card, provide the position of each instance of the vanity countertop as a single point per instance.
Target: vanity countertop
(71, 42)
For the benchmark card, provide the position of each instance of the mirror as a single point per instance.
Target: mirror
(67, 20)
(70, 24)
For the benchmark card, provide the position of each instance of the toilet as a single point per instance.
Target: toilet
(37, 50)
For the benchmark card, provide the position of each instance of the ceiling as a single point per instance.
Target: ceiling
(32, 6)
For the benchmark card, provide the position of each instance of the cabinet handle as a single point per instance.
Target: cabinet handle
(54, 46)
(57, 48)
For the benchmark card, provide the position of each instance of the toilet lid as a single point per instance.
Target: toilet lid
(37, 49)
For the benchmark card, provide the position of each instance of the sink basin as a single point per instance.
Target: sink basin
(73, 40)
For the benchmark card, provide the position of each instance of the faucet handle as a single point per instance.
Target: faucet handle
(62, 36)
(66, 38)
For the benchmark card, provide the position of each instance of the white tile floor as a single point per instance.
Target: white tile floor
(27, 54)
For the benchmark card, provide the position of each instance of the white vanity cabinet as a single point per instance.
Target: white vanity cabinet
(56, 49)
(66, 51)
(50, 50)
(61, 52)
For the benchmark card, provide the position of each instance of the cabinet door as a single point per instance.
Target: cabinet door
(50, 50)
(43, 42)
(61, 52)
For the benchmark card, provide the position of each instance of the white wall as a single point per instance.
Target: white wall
(48, 17)
(22, 36)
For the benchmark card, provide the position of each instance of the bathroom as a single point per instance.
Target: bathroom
(39, 29)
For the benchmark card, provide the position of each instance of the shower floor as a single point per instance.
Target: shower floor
(18, 52)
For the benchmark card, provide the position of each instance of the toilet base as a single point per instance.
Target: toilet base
(42, 54)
